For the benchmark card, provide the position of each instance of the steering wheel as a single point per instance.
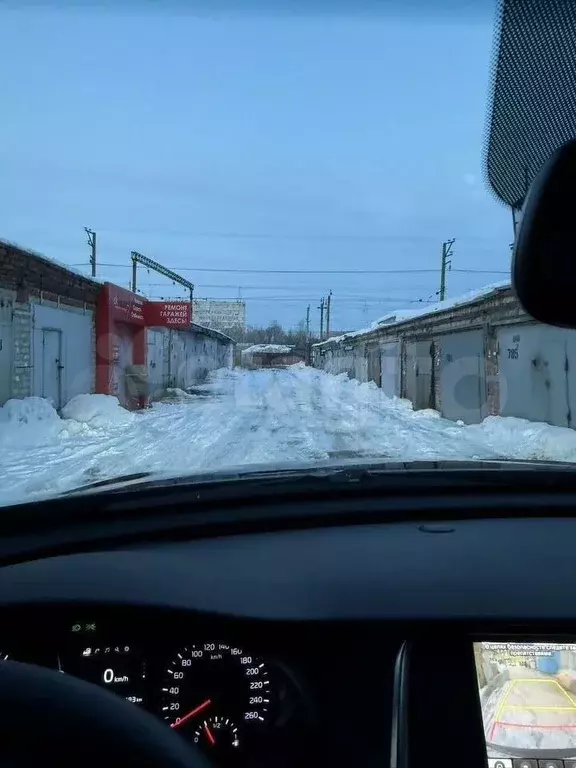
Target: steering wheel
(47, 717)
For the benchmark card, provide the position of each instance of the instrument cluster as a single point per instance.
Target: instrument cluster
(232, 703)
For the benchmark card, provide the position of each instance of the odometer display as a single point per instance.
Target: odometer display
(115, 667)
(214, 680)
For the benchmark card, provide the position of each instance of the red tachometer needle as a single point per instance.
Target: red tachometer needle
(191, 714)
(209, 735)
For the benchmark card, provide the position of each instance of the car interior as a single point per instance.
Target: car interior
(271, 621)
(377, 615)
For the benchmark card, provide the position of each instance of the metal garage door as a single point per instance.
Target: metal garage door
(390, 368)
(63, 353)
(122, 352)
(537, 373)
(155, 360)
(373, 363)
(463, 377)
(360, 363)
(418, 381)
(51, 366)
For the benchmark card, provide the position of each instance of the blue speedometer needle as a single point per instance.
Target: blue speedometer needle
(180, 720)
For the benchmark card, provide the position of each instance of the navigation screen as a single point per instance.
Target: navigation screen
(528, 700)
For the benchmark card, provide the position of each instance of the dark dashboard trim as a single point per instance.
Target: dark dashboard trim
(35, 535)
(483, 571)
(399, 741)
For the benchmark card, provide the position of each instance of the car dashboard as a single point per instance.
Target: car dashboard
(342, 645)
(249, 695)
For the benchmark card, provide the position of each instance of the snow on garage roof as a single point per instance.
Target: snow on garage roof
(402, 315)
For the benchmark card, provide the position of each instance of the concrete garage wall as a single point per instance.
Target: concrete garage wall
(194, 355)
(48, 339)
(28, 279)
(184, 358)
(62, 352)
(477, 357)
(6, 343)
(341, 359)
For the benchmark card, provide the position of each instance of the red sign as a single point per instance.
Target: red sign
(167, 314)
(125, 306)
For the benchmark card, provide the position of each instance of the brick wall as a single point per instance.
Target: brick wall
(492, 370)
(31, 275)
(436, 369)
(22, 354)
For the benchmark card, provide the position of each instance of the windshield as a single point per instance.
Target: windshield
(237, 234)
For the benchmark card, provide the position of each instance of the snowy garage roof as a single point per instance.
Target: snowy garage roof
(211, 332)
(403, 315)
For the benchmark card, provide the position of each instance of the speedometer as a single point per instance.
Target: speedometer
(215, 683)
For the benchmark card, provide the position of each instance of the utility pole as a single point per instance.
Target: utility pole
(308, 343)
(134, 272)
(321, 308)
(446, 264)
(92, 243)
(328, 303)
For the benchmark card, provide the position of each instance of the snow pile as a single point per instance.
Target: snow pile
(27, 423)
(267, 349)
(97, 411)
(29, 410)
(523, 439)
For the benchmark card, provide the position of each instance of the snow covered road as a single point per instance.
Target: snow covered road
(248, 417)
(530, 710)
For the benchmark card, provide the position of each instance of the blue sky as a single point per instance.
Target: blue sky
(254, 141)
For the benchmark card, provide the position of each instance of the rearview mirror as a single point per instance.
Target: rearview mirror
(544, 260)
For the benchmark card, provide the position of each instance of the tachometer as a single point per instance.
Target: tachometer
(215, 683)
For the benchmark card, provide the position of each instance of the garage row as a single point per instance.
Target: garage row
(468, 358)
(62, 334)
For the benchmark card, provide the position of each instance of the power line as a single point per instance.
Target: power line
(236, 287)
(231, 235)
(319, 271)
(362, 296)
(303, 299)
